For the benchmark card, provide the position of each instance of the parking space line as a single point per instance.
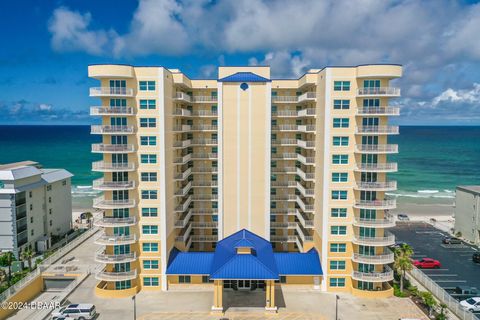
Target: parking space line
(428, 270)
(443, 275)
(463, 281)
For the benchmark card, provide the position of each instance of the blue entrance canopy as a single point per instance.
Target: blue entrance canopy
(244, 77)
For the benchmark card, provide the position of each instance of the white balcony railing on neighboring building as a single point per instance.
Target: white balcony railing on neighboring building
(380, 91)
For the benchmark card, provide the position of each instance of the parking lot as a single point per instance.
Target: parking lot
(457, 268)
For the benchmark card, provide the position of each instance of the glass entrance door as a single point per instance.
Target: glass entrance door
(244, 285)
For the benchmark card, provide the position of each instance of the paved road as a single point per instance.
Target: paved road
(457, 266)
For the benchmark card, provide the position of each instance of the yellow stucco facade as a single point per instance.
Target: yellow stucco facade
(300, 162)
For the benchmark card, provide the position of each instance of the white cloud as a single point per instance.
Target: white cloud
(282, 63)
(470, 96)
(45, 107)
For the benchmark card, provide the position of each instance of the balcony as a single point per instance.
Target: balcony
(204, 225)
(387, 222)
(183, 191)
(204, 238)
(112, 148)
(102, 257)
(285, 142)
(115, 222)
(205, 197)
(181, 96)
(183, 160)
(205, 113)
(285, 127)
(302, 234)
(102, 166)
(387, 240)
(306, 192)
(284, 170)
(204, 211)
(101, 184)
(305, 207)
(376, 186)
(388, 204)
(182, 144)
(306, 176)
(100, 129)
(282, 211)
(376, 148)
(307, 128)
(283, 197)
(306, 223)
(285, 114)
(116, 276)
(110, 240)
(204, 142)
(307, 96)
(306, 144)
(376, 130)
(204, 127)
(284, 156)
(205, 183)
(309, 112)
(182, 128)
(377, 167)
(306, 160)
(284, 184)
(384, 258)
(111, 111)
(184, 205)
(182, 112)
(111, 92)
(378, 92)
(204, 156)
(283, 225)
(101, 203)
(283, 238)
(378, 111)
(184, 175)
(387, 275)
(184, 234)
(204, 170)
(184, 219)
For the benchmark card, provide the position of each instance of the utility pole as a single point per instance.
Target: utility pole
(134, 307)
(336, 306)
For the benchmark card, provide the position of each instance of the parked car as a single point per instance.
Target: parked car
(476, 257)
(451, 240)
(471, 304)
(427, 263)
(397, 245)
(466, 290)
(402, 217)
(84, 311)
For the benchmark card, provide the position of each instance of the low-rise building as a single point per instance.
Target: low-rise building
(467, 212)
(35, 205)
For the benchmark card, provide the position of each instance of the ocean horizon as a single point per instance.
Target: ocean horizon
(432, 160)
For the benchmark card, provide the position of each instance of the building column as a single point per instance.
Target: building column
(217, 296)
(270, 295)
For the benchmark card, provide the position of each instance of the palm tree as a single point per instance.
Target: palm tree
(7, 259)
(403, 262)
(89, 216)
(27, 255)
(429, 301)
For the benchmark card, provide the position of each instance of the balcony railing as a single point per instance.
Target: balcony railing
(376, 148)
(100, 129)
(283, 211)
(204, 183)
(115, 258)
(387, 222)
(205, 113)
(204, 225)
(387, 240)
(306, 128)
(183, 160)
(116, 276)
(302, 235)
(285, 113)
(184, 205)
(285, 127)
(306, 160)
(373, 259)
(184, 219)
(111, 92)
(376, 204)
(203, 212)
(386, 275)
(305, 207)
(204, 155)
(102, 166)
(204, 99)
(306, 223)
(183, 190)
(377, 130)
(109, 111)
(184, 175)
(377, 186)
(378, 111)
(207, 170)
(110, 240)
(306, 176)
(101, 184)
(283, 225)
(101, 203)
(182, 128)
(283, 238)
(285, 142)
(306, 144)
(182, 144)
(205, 197)
(112, 148)
(377, 167)
(307, 112)
(307, 96)
(200, 238)
(204, 142)
(380, 91)
(204, 127)
(284, 156)
(115, 222)
(285, 170)
(306, 192)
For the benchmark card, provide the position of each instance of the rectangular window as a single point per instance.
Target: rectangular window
(148, 140)
(150, 229)
(150, 281)
(206, 280)
(149, 194)
(340, 141)
(150, 264)
(341, 122)
(339, 177)
(337, 265)
(184, 279)
(339, 104)
(150, 247)
(338, 230)
(149, 212)
(148, 158)
(341, 85)
(340, 159)
(148, 122)
(338, 247)
(337, 282)
(146, 85)
(339, 194)
(148, 104)
(149, 176)
(338, 212)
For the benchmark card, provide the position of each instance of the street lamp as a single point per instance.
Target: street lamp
(134, 307)
(336, 306)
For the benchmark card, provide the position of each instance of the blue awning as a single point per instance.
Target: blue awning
(189, 262)
(295, 263)
(244, 77)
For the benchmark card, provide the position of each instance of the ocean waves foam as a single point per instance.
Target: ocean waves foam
(427, 193)
(84, 191)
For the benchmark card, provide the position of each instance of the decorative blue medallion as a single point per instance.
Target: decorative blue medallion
(244, 86)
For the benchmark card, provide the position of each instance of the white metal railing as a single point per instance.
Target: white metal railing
(388, 111)
(183, 160)
(283, 211)
(306, 112)
(105, 239)
(291, 156)
(390, 185)
(307, 96)
(184, 219)
(377, 148)
(379, 91)
(101, 111)
(283, 238)
(306, 128)
(204, 141)
(292, 142)
(114, 222)
(183, 175)
(200, 238)
(103, 257)
(377, 130)
(182, 112)
(306, 176)
(285, 127)
(183, 96)
(205, 113)
(114, 148)
(204, 99)
(204, 155)
(204, 127)
(386, 275)
(284, 170)
(307, 223)
(204, 169)
(285, 113)
(101, 203)
(442, 295)
(386, 240)
(101, 184)
(374, 259)
(205, 211)
(204, 225)
(204, 183)
(107, 166)
(184, 205)
(111, 129)
(305, 207)
(283, 225)
(182, 143)
(110, 91)
(294, 99)
(386, 222)
(183, 127)
(376, 204)
(389, 166)
(116, 276)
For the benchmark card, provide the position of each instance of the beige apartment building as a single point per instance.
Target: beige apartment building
(301, 163)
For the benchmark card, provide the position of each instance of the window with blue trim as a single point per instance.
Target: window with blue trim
(146, 85)
(339, 176)
(339, 104)
(150, 281)
(150, 229)
(341, 122)
(340, 141)
(148, 104)
(337, 282)
(340, 159)
(341, 85)
(338, 212)
(338, 230)
(338, 247)
(148, 140)
(339, 194)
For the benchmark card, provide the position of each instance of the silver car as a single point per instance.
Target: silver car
(84, 311)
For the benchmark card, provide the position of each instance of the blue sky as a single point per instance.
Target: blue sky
(47, 46)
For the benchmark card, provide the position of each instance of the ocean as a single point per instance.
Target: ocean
(432, 160)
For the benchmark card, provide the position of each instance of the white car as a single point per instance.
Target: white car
(471, 304)
(84, 311)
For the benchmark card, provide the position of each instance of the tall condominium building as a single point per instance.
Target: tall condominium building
(35, 205)
(190, 165)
